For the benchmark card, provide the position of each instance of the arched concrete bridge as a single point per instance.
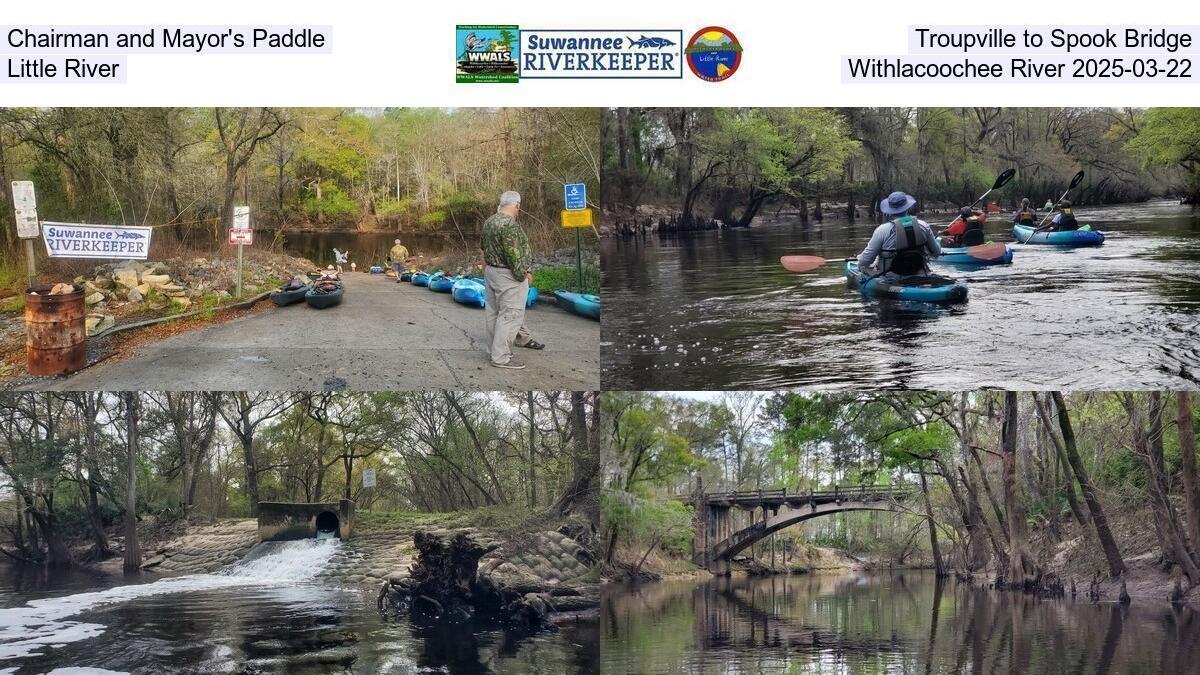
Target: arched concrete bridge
(716, 543)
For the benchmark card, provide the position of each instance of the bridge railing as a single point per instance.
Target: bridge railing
(838, 493)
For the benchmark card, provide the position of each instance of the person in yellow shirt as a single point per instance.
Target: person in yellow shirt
(397, 256)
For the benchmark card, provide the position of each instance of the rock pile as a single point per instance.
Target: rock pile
(176, 282)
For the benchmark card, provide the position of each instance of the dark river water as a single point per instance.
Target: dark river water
(715, 310)
(269, 615)
(882, 623)
(366, 248)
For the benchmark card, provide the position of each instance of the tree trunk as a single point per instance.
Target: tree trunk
(1067, 478)
(1148, 445)
(1187, 451)
(1020, 568)
(532, 452)
(1111, 553)
(939, 568)
(251, 473)
(133, 548)
(586, 462)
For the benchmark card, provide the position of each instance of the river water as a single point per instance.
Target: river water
(882, 623)
(714, 310)
(366, 248)
(270, 613)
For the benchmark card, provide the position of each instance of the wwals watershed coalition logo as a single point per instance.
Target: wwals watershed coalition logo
(503, 53)
(486, 53)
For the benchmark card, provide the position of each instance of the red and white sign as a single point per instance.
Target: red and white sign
(241, 236)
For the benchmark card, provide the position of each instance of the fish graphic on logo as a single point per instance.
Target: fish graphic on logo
(644, 42)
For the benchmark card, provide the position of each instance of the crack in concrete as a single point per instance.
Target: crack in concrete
(433, 309)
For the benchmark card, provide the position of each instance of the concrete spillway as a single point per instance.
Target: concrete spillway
(40, 624)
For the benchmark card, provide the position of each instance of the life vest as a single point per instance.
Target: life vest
(1026, 217)
(908, 255)
(1066, 220)
(973, 234)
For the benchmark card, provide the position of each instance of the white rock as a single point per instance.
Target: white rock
(126, 277)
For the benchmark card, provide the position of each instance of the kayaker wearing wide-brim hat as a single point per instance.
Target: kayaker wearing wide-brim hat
(902, 246)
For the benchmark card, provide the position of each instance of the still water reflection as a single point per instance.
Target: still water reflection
(882, 623)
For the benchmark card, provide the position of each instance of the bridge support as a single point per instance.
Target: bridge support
(711, 523)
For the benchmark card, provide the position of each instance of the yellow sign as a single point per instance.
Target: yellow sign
(581, 218)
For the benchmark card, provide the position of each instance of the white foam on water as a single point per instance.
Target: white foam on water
(27, 631)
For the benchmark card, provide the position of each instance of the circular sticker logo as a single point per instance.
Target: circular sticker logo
(714, 54)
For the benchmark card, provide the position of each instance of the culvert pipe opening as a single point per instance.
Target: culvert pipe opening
(327, 525)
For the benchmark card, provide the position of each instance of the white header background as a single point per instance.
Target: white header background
(402, 53)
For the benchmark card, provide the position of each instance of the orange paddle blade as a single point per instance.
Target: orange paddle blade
(987, 251)
(801, 263)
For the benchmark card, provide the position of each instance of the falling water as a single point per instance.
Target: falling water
(46, 623)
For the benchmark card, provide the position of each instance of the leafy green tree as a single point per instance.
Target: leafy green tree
(1171, 137)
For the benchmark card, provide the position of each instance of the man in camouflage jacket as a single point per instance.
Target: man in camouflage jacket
(507, 273)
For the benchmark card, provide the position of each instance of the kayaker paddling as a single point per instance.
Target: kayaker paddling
(966, 229)
(1025, 215)
(901, 247)
(1064, 218)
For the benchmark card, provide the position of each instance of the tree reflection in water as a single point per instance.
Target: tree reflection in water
(870, 623)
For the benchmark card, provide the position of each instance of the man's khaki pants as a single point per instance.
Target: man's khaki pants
(505, 297)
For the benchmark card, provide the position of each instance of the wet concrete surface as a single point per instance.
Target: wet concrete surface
(384, 336)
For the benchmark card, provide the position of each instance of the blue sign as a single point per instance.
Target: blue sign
(575, 196)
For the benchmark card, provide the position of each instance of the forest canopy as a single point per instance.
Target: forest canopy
(405, 169)
(728, 163)
(73, 466)
(1016, 483)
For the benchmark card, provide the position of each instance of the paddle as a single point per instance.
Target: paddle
(1074, 184)
(801, 263)
(808, 263)
(1001, 181)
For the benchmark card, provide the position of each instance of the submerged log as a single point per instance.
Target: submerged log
(445, 585)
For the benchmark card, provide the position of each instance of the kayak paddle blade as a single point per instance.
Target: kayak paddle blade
(1076, 181)
(1003, 178)
(987, 251)
(801, 263)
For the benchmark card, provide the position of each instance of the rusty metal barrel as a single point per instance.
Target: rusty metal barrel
(55, 332)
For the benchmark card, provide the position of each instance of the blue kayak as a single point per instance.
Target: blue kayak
(959, 256)
(468, 292)
(916, 288)
(406, 276)
(1084, 236)
(420, 279)
(583, 304)
(441, 283)
(376, 269)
